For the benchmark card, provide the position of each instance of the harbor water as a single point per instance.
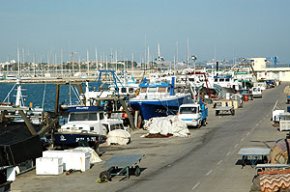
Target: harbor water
(43, 95)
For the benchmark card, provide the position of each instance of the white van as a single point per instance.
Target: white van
(257, 92)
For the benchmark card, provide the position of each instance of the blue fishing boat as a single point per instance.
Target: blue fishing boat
(158, 99)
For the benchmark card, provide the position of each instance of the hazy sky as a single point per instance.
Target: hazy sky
(206, 28)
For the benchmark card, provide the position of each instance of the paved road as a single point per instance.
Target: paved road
(203, 162)
(211, 166)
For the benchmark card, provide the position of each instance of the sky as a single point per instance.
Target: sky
(208, 29)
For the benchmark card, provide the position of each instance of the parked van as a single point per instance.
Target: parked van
(257, 92)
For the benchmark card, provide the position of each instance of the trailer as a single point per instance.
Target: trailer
(254, 155)
(225, 110)
(123, 165)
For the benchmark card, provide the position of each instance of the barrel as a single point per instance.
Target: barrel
(245, 97)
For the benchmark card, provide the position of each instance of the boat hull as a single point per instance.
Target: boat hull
(66, 140)
(159, 107)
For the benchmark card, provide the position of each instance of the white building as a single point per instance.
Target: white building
(277, 73)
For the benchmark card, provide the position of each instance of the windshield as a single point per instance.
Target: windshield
(187, 110)
(83, 117)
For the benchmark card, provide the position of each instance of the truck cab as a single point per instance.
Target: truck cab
(193, 114)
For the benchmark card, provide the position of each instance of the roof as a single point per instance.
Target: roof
(85, 109)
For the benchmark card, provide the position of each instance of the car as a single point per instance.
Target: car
(271, 83)
(257, 92)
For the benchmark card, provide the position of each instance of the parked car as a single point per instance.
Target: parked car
(257, 92)
(271, 83)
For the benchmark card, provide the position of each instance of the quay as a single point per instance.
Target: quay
(204, 161)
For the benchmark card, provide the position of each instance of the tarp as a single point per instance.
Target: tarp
(166, 126)
(119, 137)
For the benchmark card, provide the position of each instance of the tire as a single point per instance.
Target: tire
(105, 176)
(233, 112)
(137, 171)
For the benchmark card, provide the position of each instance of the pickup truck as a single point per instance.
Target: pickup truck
(193, 114)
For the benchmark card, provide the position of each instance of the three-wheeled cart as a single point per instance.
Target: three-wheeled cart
(123, 165)
(225, 110)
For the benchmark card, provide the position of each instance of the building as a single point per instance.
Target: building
(264, 72)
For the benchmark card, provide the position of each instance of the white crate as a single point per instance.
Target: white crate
(72, 160)
(49, 166)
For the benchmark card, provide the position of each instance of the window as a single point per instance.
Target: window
(101, 116)
(78, 117)
(123, 90)
(93, 116)
(143, 90)
(162, 90)
(187, 110)
(152, 89)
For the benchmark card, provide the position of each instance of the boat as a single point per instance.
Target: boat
(85, 125)
(225, 81)
(158, 99)
(108, 84)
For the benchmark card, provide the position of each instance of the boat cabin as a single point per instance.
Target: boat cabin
(90, 119)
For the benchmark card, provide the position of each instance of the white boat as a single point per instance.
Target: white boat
(113, 86)
(34, 114)
(85, 124)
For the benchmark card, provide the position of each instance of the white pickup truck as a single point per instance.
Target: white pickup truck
(193, 114)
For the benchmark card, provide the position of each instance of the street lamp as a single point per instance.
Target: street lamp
(193, 58)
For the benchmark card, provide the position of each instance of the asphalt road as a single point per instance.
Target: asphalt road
(211, 166)
(203, 162)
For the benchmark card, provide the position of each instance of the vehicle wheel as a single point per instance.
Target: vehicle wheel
(105, 176)
(137, 171)
(233, 112)
(216, 113)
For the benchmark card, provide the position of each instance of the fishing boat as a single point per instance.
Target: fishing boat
(158, 99)
(20, 136)
(108, 84)
(85, 125)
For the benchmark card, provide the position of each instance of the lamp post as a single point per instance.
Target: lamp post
(193, 58)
